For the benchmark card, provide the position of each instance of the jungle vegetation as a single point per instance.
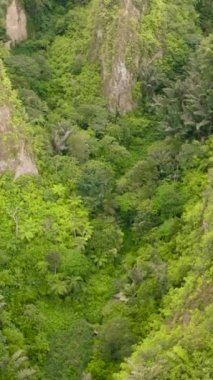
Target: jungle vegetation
(106, 255)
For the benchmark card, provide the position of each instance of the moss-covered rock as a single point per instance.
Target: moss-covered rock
(116, 41)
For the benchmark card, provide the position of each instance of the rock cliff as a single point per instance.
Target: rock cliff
(14, 155)
(118, 48)
(16, 22)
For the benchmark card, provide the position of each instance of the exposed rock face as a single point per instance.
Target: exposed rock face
(120, 54)
(118, 87)
(13, 153)
(25, 165)
(16, 22)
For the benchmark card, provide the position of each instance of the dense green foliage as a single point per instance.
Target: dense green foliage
(106, 256)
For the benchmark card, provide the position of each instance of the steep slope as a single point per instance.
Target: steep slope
(16, 22)
(118, 49)
(13, 151)
(179, 346)
(106, 255)
(13, 22)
